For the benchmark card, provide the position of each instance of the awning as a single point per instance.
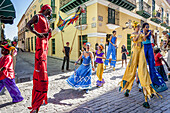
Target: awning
(7, 12)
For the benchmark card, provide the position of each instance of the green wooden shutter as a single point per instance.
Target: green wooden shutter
(41, 6)
(53, 46)
(111, 16)
(32, 43)
(35, 42)
(53, 5)
(35, 12)
(129, 44)
(84, 40)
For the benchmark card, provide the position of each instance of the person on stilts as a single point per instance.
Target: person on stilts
(137, 60)
(112, 49)
(40, 77)
(157, 80)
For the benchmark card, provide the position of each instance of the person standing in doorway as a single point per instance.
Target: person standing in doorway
(66, 51)
(112, 50)
(40, 77)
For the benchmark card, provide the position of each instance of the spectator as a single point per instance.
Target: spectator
(124, 58)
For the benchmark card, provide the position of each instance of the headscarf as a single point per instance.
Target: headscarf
(45, 7)
(7, 47)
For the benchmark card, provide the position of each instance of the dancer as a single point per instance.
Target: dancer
(40, 77)
(157, 80)
(166, 42)
(7, 74)
(158, 64)
(100, 68)
(137, 59)
(112, 49)
(66, 51)
(124, 51)
(81, 79)
(14, 53)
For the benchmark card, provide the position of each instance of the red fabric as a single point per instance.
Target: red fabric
(40, 76)
(158, 61)
(7, 62)
(153, 44)
(42, 26)
(44, 7)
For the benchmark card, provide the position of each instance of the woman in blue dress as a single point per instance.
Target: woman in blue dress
(158, 83)
(81, 79)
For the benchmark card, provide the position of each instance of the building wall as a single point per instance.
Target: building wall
(94, 34)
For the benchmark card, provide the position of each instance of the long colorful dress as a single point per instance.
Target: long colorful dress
(157, 80)
(81, 79)
(100, 69)
(40, 76)
(7, 78)
(137, 60)
(111, 50)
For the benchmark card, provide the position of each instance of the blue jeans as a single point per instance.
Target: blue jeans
(111, 49)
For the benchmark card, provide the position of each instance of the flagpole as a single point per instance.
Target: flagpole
(63, 42)
(81, 33)
(73, 40)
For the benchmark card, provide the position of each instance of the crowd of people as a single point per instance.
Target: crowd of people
(144, 52)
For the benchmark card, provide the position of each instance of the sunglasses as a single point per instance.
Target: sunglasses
(147, 27)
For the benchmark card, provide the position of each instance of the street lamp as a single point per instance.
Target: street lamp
(128, 25)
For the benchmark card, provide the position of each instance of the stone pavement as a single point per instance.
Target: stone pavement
(63, 99)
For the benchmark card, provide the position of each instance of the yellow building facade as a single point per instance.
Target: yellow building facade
(101, 18)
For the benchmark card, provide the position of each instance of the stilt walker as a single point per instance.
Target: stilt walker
(157, 81)
(7, 74)
(137, 59)
(112, 49)
(40, 77)
(100, 68)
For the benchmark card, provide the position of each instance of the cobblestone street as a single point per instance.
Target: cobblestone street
(62, 98)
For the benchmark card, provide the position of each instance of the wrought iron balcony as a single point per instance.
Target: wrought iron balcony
(143, 9)
(127, 4)
(66, 5)
(156, 20)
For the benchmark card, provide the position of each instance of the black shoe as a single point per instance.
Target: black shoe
(126, 93)
(62, 70)
(140, 90)
(152, 95)
(68, 70)
(146, 105)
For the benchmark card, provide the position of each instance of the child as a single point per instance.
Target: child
(7, 74)
(99, 56)
(158, 63)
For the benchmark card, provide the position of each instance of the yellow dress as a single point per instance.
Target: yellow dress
(137, 60)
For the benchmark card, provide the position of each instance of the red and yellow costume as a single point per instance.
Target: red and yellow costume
(40, 76)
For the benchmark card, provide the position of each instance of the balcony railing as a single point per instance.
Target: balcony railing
(127, 4)
(81, 21)
(144, 9)
(67, 5)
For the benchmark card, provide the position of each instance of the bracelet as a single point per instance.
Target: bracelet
(76, 62)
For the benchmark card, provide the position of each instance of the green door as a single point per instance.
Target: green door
(84, 40)
(129, 44)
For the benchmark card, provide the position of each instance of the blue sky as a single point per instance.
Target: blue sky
(20, 8)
